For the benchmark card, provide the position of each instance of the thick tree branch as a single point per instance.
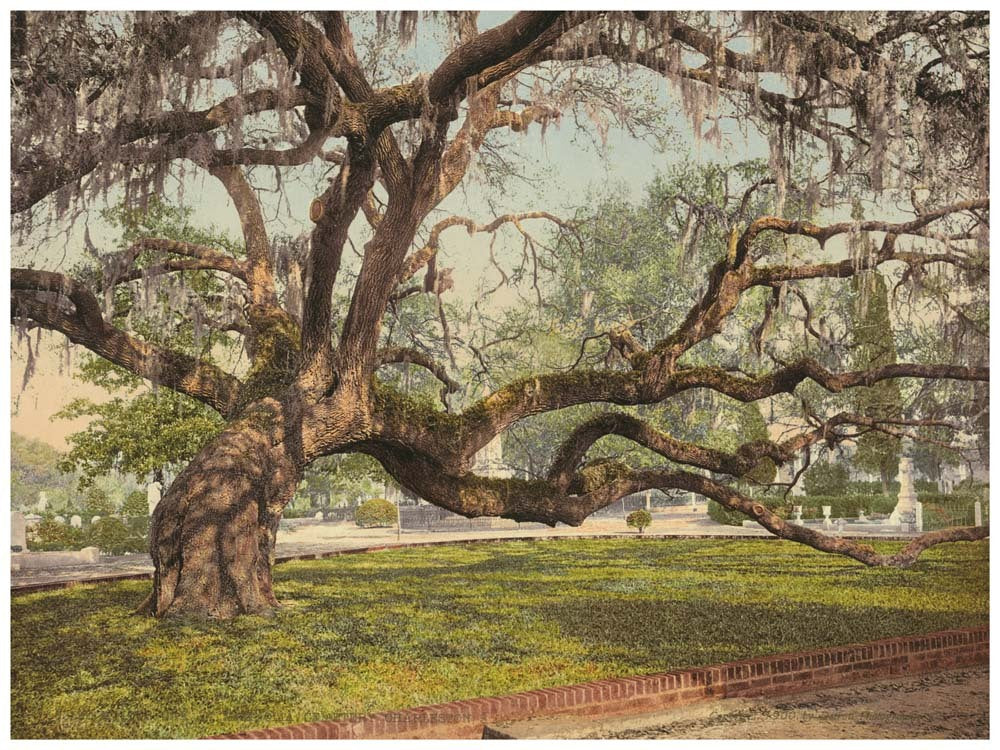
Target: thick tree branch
(37, 296)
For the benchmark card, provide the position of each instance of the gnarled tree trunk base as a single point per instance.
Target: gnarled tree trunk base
(212, 535)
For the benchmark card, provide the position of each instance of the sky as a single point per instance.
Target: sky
(568, 170)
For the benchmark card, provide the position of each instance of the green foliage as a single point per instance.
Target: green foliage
(97, 503)
(113, 537)
(842, 506)
(149, 431)
(387, 631)
(825, 478)
(136, 505)
(33, 468)
(329, 480)
(639, 519)
(141, 435)
(376, 512)
(875, 346)
(50, 535)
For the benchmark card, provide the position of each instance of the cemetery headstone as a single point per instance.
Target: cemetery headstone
(18, 532)
(978, 510)
(319, 515)
(60, 519)
(76, 522)
(95, 519)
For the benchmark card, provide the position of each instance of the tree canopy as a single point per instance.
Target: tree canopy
(345, 149)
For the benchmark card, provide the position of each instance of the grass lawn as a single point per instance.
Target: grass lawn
(400, 628)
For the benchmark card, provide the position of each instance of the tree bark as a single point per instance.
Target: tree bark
(212, 535)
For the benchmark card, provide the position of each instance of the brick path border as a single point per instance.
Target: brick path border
(30, 588)
(769, 675)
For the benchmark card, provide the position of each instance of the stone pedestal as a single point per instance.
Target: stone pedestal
(905, 512)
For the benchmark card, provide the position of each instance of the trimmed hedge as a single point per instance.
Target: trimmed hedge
(375, 513)
(940, 510)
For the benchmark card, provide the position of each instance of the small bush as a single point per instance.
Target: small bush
(52, 536)
(113, 537)
(375, 513)
(136, 505)
(639, 519)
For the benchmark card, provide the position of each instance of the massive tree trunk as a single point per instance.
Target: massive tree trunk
(212, 535)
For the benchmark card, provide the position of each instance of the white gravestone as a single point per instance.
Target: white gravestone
(76, 522)
(827, 523)
(318, 516)
(95, 519)
(60, 519)
(905, 512)
(18, 531)
(152, 496)
(43, 502)
(978, 509)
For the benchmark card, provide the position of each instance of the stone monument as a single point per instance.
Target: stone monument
(18, 532)
(76, 522)
(905, 513)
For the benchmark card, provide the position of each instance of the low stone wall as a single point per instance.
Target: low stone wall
(769, 675)
(36, 560)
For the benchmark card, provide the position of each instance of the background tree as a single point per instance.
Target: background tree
(33, 470)
(883, 103)
(876, 452)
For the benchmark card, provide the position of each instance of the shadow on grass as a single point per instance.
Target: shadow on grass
(386, 630)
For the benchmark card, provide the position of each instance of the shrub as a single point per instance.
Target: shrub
(52, 536)
(113, 537)
(639, 519)
(825, 479)
(375, 513)
(138, 525)
(136, 505)
(843, 506)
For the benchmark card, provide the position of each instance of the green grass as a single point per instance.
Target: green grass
(399, 628)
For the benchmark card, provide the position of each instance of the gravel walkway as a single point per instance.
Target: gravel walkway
(945, 705)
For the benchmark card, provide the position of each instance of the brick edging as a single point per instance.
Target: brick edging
(769, 675)
(31, 588)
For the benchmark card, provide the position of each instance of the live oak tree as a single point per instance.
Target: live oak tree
(889, 105)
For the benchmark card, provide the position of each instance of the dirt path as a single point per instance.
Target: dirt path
(945, 705)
